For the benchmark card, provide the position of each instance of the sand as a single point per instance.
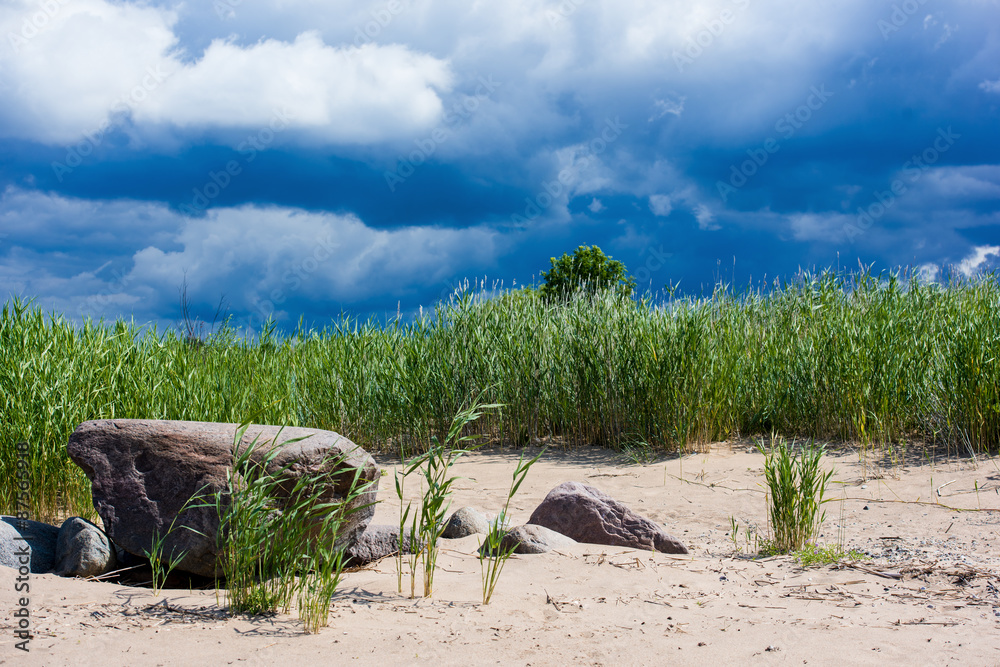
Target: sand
(929, 595)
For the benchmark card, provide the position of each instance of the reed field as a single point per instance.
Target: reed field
(878, 360)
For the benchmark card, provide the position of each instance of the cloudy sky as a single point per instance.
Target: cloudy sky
(308, 158)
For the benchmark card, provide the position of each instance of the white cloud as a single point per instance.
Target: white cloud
(965, 184)
(990, 86)
(93, 52)
(660, 205)
(596, 206)
(663, 107)
(92, 56)
(928, 272)
(827, 227)
(318, 255)
(977, 260)
(61, 76)
(342, 95)
(706, 219)
(258, 257)
(946, 34)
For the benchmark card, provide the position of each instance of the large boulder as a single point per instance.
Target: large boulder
(377, 542)
(589, 515)
(83, 550)
(25, 542)
(530, 539)
(143, 472)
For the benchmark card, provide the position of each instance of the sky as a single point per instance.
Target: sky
(310, 158)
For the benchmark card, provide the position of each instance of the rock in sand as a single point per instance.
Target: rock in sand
(531, 539)
(26, 542)
(378, 541)
(589, 515)
(83, 550)
(464, 522)
(144, 471)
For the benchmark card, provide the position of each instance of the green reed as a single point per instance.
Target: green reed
(278, 542)
(877, 360)
(796, 487)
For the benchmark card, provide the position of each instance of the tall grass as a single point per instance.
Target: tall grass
(874, 359)
(278, 539)
(796, 487)
(437, 461)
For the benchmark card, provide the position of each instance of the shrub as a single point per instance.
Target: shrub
(588, 270)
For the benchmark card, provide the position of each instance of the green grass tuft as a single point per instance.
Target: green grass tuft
(814, 554)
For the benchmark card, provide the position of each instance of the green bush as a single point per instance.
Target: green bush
(589, 271)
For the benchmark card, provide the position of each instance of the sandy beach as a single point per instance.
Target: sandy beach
(928, 592)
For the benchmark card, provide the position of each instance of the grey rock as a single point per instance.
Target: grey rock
(377, 542)
(83, 550)
(144, 471)
(26, 540)
(531, 539)
(589, 515)
(464, 522)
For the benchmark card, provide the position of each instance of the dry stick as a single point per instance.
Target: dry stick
(884, 574)
(920, 502)
(714, 485)
(98, 577)
(944, 485)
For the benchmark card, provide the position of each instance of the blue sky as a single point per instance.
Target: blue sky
(308, 158)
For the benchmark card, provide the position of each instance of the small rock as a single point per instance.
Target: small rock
(83, 550)
(377, 542)
(531, 539)
(589, 515)
(38, 539)
(464, 522)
